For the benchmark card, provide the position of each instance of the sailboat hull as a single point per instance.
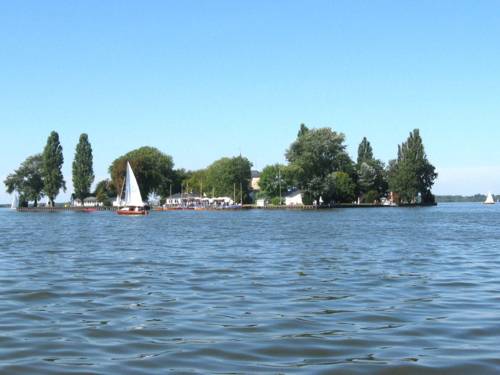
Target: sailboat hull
(132, 213)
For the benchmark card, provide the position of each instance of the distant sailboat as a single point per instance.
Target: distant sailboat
(489, 199)
(15, 202)
(132, 204)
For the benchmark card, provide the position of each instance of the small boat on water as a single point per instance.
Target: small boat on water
(489, 199)
(15, 202)
(132, 203)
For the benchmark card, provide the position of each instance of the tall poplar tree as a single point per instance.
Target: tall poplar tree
(365, 152)
(83, 172)
(372, 182)
(411, 173)
(52, 161)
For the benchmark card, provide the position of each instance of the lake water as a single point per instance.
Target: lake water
(349, 291)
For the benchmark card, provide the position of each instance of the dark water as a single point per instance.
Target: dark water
(347, 291)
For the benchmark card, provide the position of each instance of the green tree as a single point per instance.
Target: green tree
(303, 130)
(411, 174)
(105, 192)
(365, 152)
(314, 156)
(177, 183)
(276, 179)
(52, 161)
(371, 173)
(83, 172)
(197, 183)
(367, 177)
(227, 176)
(344, 188)
(152, 169)
(27, 180)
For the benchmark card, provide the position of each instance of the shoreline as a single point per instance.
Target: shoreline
(244, 207)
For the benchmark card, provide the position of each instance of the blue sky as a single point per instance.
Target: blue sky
(205, 79)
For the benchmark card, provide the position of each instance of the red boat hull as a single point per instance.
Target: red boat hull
(131, 213)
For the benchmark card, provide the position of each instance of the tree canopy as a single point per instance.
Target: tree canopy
(372, 181)
(314, 156)
(152, 169)
(276, 179)
(52, 161)
(196, 182)
(411, 174)
(83, 172)
(27, 180)
(365, 152)
(105, 192)
(229, 175)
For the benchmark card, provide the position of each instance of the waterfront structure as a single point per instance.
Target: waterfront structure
(117, 202)
(260, 202)
(193, 201)
(394, 198)
(294, 198)
(254, 183)
(186, 200)
(87, 202)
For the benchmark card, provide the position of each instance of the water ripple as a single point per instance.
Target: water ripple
(350, 291)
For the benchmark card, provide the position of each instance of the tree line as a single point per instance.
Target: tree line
(41, 174)
(317, 164)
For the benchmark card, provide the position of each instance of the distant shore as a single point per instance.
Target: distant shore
(244, 207)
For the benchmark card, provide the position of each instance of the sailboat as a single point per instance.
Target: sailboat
(132, 204)
(15, 202)
(489, 199)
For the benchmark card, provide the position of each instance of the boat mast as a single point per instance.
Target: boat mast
(123, 187)
(279, 181)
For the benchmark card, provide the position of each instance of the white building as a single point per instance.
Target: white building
(294, 198)
(117, 202)
(87, 202)
(260, 202)
(254, 183)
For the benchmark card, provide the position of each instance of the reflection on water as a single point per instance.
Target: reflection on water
(360, 290)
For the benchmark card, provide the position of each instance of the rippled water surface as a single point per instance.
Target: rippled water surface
(348, 291)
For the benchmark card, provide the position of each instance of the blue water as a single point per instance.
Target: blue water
(390, 290)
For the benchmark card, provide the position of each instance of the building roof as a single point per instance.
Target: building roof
(255, 174)
(90, 199)
(183, 196)
(293, 193)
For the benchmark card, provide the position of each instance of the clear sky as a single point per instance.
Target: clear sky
(204, 79)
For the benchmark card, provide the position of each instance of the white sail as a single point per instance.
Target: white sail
(132, 192)
(15, 202)
(489, 199)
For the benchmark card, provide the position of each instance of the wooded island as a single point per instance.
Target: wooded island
(318, 166)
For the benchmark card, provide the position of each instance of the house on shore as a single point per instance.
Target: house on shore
(191, 200)
(87, 202)
(294, 198)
